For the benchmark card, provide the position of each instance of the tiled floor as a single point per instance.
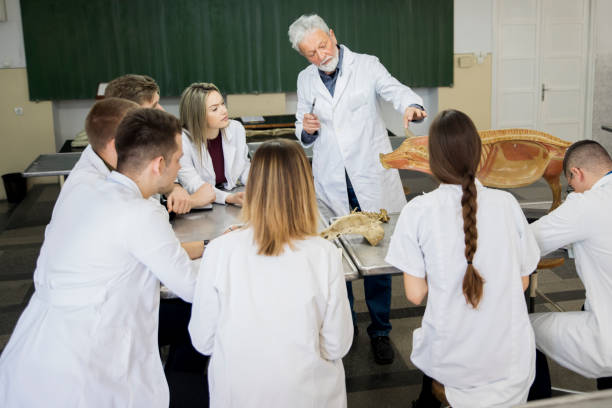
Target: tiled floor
(368, 384)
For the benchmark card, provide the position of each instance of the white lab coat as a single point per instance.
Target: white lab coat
(353, 133)
(581, 341)
(88, 337)
(485, 357)
(277, 327)
(89, 169)
(195, 172)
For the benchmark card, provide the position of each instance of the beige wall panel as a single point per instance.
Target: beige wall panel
(471, 91)
(22, 137)
(261, 104)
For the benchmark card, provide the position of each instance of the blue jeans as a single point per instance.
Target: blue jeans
(377, 288)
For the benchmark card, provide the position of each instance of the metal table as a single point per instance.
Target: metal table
(350, 270)
(56, 164)
(205, 224)
(370, 260)
(209, 224)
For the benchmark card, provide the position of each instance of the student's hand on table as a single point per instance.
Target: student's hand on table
(203, 196)
(413, 114)
(178, 200)
(235, 198)
(310, 123)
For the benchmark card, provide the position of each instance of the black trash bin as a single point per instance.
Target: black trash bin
(15, 187)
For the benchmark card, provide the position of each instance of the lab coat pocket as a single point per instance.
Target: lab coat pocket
(357, 101)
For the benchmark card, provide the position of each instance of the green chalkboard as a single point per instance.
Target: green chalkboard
(240, 45)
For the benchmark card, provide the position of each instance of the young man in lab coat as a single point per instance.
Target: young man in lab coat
(100, 157)
(143, 90)
(337, 113)
(174, 314)
(88, 336)
(580, 341)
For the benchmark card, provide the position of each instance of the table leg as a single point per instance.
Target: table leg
(533, 287)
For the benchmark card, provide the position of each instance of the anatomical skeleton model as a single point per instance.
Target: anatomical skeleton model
(510, 158)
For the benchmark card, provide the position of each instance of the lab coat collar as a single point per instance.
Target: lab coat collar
(602, 181)
(344, 74)
(98, 163)
(348, 57)
(229, 149)
(119, 178)
(225, 134)
(457, 187)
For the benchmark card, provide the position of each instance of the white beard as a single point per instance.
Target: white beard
(330, 65)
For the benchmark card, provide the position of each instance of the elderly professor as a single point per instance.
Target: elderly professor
(338, 115)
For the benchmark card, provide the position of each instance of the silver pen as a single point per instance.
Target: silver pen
(313, 105)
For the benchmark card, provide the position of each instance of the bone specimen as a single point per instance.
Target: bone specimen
(510, 158)
(367, 224)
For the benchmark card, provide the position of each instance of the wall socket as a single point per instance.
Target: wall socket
(18, 111)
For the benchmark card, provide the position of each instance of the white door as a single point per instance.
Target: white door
(542, 49)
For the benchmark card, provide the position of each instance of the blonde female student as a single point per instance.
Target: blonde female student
(214, 147)
(270, 303)
(469, 249)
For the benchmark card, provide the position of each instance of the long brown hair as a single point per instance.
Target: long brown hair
(454, 154)
(280, 203)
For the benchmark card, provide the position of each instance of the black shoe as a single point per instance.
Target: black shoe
(381, 347)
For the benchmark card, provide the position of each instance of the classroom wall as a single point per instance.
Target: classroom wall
(602, 92)
(22, 137)
(472, 82)
(12, 54)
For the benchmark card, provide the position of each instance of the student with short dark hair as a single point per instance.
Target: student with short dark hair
(580, 340)
(88, 336)
(469, 249)
(100, 157)
(271, 305)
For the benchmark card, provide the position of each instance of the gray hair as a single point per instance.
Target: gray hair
(306, 24)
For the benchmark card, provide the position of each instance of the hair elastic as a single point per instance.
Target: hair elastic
(469, 262)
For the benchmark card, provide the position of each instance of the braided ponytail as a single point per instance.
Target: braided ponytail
(454, 154)
(472, 281)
